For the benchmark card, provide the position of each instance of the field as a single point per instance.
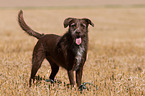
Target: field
(116, 55)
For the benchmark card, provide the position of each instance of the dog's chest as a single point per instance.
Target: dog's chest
(79, 54)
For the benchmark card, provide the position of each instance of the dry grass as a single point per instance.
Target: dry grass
(116, 56)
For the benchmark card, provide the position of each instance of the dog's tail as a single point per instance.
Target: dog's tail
(26, 28)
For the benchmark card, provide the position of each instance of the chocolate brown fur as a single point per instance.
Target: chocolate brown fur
(64, 51)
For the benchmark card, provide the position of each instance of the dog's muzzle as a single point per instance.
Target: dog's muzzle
(78, 39)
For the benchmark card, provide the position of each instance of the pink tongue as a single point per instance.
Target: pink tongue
(78, 41)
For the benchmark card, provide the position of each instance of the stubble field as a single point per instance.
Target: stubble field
(116, 55)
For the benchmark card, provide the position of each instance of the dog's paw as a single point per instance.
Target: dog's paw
(82, 87)
(90, 86)
(49, 80)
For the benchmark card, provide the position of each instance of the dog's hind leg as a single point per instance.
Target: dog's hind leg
(54, 69)
(37, 59)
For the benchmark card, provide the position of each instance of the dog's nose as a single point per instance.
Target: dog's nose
(78, 32)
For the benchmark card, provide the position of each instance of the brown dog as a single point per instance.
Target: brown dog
(68, 51)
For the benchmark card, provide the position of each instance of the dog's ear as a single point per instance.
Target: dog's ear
(67, 22)
(88, 21)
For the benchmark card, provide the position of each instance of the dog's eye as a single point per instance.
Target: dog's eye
(83, 25)
(73, 24)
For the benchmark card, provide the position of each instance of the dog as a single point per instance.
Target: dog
(68, 51)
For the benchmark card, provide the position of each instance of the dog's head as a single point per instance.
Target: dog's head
(78, 28)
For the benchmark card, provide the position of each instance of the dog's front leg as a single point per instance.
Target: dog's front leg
(79, 76)
(71, 77)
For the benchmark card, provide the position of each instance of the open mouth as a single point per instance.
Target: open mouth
(78, 40)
